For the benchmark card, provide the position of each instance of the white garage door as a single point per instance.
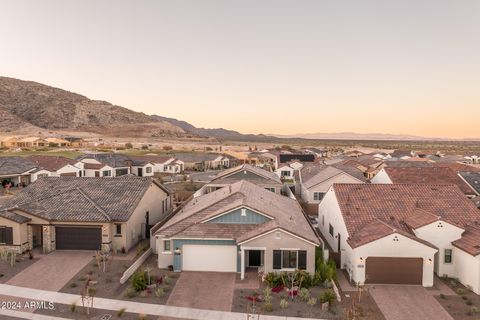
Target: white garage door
(209, 258)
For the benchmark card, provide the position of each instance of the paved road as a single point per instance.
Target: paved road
(200, 290)
(407, 303)
(53, 270)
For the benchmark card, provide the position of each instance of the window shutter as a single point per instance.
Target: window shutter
(302, 260)
(277, 259)
(2, 234)
(8, 235)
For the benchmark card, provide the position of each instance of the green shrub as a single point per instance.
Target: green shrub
(312, 302)
(327, 296)
(283, 303)
(160, 292)
(131, 293)
(139, 281)
(120, 312)
(304, 294)
(273, 279)
(73, 307)
(305, 279)
(267, 307)
(461, 291)
(73, 285)
(469, 302)
(167, 280)
(475, 310)
(464, 297)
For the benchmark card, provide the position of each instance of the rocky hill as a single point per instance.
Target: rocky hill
(31, 105)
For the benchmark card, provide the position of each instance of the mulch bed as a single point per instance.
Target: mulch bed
(108, 283)
(7, 271)
(465, 305)
(367, 309)
(63, 310)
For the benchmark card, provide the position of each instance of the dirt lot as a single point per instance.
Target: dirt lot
(465, 305)
(7, 271)
(108, 283)
(366, 309)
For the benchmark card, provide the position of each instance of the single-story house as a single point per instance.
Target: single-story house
(16, 171)
(162, 164)
(59, 142)
(239, 226)
(422, 175)
(402, 233)
(199, 161)
(72, 213)
(106, 165)
(315, 179)
(262, 178)
(53, 166)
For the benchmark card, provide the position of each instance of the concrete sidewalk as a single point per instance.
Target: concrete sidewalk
(133, 307)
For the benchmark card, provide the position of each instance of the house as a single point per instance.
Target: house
(32, 142)
(10, 142)
(59, 213)
(260, 177)
(401, 154)
(472, 158)
(162, 164)
(239, 226)
(16, 171)
(59, 142)
(75, 142)
(203, 161)
(402, 233)
(53, 166)
(319, 153)
(285, 157)
(423, 175)
(285, 171)
(106, 165)
(315, 180)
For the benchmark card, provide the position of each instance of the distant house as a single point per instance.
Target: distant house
(75, 142)
(162, 164)
(423, 175)
(316, 179)
(16, 171)
(473, 158)
(238, 227)
(204, 161)
(53, 166)
(260, 177)
(32, 142)
(319, 153)
(58, 142)
(401, 154)
(10, 142)
(402, 233)
(83, 213)
(106, 165)
(301, 157)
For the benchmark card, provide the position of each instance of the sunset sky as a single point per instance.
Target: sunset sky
(286, 67)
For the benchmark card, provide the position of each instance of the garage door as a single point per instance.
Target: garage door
(394, 270)
(78, 238)
(209, 258)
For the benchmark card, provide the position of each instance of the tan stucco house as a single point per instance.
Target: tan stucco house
(73, 213)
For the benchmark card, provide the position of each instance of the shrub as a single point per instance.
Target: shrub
(442, 296)
(131, 293)
(304, 294)
(167, 280)
(475, 310)
(469, 302)
(464, 297)
(128, 145)
(267, 307)
(461, 291)
(273, 279)
(312, 302)
(305, 279)
(120, 312)
(283, 303)
(139, 281)
(73, 307)
(73, 285)
(142, 317)
(327, 296)
(160, 292)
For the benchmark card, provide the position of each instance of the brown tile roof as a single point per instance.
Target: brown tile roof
(286, 214)
(398, 205)
(420, 218)
(470, 240)
(429, 175)
(51, 163)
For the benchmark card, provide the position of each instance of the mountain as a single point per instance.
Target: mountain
(354, 136)
(27, 105)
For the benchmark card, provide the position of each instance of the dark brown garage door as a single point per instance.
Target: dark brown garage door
(78, 238)
(394, 270)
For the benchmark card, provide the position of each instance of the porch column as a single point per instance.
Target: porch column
(242, 263)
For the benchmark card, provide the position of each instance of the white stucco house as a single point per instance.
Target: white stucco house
(53, 166)
(402, 233)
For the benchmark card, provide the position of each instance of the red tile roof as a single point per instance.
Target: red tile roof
(51, 163)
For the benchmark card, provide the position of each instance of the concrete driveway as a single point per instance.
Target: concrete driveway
(53, 270)
(204, 290)
(407, 303)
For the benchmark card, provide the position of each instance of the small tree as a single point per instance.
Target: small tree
(128, 145)
(87, 295)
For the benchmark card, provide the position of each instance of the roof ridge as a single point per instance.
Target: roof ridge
(93, 203)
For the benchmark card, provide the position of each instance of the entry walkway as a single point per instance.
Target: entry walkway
(134, 307)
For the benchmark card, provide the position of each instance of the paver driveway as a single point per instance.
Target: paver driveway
(53, 270)
(203, 290)
(407, 302)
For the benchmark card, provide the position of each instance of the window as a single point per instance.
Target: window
(330, 229)
(106, 173)
(317, 196)
(323, 220)
(447, 256)
(148, 170)
(289, 259)
(271, 189)
(166, 245)
(285, 173)
(118, 229)
(6, 235)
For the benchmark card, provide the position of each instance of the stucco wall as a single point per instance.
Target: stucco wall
(19, 231)
(308, 194)
(286, 242)
(381, 177)
(468, 269)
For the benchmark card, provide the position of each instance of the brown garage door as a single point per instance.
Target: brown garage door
(68, 174)
(394, 270)
(78, 238)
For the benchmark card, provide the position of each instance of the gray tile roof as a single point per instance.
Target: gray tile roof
(82, 199)
(196, 156)
(11, 215)
(286, 214)
(472, 178)
(15, 165)
(315, 173)
(114, 160)
(262, 173)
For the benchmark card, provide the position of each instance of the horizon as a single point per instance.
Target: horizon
(274, 67)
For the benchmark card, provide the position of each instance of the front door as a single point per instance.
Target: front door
(254, 258)
(140, 172)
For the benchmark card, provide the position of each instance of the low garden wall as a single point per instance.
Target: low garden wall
(131, 270)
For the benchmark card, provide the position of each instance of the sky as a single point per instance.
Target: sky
(260, 66)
